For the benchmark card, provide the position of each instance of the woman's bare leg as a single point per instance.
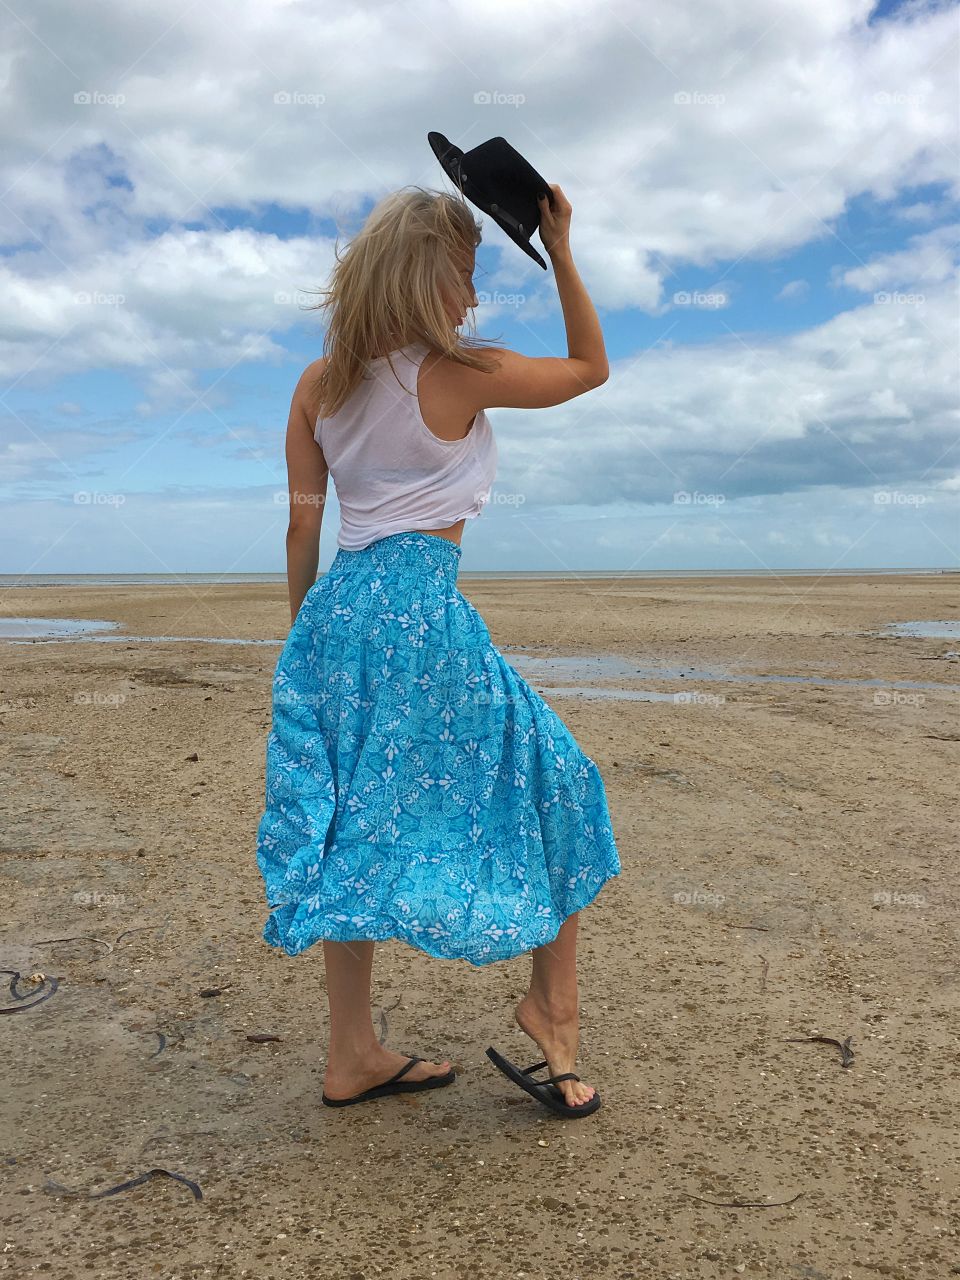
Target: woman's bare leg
(355, 1058)
(550, 1011)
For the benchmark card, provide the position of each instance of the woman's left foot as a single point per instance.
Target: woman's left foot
(348, 1079)
(557, 1034)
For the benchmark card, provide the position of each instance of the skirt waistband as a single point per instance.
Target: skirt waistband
(401, 552)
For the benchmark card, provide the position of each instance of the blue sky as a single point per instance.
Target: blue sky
(765, 212)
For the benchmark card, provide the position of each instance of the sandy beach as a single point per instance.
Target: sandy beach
(789, 860)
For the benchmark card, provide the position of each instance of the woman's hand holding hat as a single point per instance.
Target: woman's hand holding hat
(555, 212)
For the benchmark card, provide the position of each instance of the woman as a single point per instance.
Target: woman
(417, 787)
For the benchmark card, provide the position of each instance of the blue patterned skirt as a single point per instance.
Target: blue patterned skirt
(417, 787)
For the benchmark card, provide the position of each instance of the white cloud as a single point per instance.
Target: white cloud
(814, 108)
(868, 397)
(929, 259)
(795, 109)
(793, 289)
(185, 299)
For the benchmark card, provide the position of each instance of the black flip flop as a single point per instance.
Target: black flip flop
(544, 1091)
(393, 1085)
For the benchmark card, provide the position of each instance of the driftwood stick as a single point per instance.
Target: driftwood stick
(38, 992)
(125, 1186)
(140, 928)
(76, 937)
(846, 1053)
(383, 1018)
(744, 1204)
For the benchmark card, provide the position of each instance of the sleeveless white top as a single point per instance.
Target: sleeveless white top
(390, 471)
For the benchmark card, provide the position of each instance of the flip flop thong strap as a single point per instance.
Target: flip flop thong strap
(411, 1062)
(567, 1075)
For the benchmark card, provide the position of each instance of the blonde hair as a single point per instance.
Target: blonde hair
(386, 289)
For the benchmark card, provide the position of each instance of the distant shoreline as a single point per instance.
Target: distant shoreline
(12, 580)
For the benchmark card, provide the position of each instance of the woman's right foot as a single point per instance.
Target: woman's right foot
(346, 1079)
(557, 1034)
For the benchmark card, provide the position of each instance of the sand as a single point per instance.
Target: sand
(789, 869)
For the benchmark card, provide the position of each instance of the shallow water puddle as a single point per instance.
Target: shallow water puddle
(613, 667)
(52, 630)
(621, 695)
(585, 670)
(925, 630)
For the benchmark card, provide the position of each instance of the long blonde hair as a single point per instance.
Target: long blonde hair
(386, 289)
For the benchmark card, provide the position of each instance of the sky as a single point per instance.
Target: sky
(765, 213)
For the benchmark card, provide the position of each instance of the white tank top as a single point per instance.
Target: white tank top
(390, 471)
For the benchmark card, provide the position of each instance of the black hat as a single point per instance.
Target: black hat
(496, 178)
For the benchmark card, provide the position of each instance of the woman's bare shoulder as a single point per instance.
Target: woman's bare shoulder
(306, 393)
(453, 373)
(510, 380)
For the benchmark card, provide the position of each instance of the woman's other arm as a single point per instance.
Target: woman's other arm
(307, 476)
(522, 382)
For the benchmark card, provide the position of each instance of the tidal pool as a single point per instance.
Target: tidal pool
(584, 672)
(613, 667)
(51, 628)
(926, 630)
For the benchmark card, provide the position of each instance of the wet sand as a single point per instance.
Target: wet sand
(789, 870)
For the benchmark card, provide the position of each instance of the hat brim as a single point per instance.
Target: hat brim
(450, 156)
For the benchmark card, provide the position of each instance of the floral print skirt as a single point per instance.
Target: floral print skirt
(416, 786)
